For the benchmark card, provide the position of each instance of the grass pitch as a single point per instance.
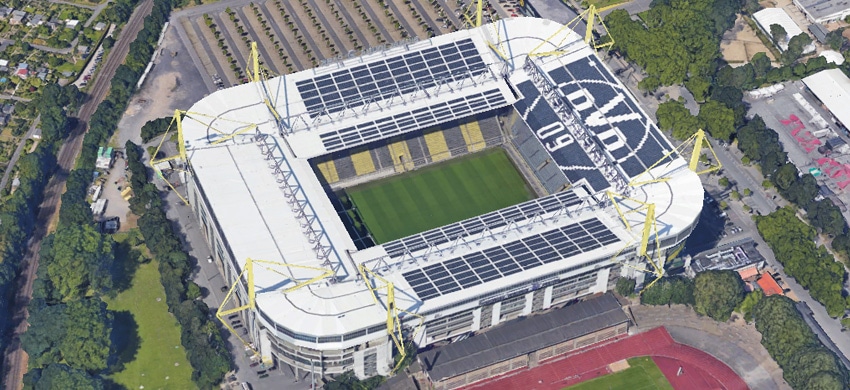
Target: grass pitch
(439, 195)
(642, 375)
(148, 335)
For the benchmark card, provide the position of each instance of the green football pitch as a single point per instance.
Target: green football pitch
(642, 374)
(439, 195)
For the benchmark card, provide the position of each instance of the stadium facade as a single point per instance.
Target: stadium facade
(575, 126)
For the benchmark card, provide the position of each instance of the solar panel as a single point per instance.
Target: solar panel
(409, 121)
(610, 112)
(490, 264)
(476, 225)
(381, 79)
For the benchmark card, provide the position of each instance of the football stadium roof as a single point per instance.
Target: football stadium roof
(249, 147)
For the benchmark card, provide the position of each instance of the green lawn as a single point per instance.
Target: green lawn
(438, 195)
(148, 336)
(642, 375)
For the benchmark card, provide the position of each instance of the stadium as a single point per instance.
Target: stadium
(427, 191)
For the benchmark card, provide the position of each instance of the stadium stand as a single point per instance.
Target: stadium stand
(517, 343)
(262, 196)
(472, 135)
(400, 153)
(328, 170)
(437, 148)
(363, 163)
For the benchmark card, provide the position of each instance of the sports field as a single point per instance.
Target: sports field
(642, 374)
(438, 195)
(148, 336)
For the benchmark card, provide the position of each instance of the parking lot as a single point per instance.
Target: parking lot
(805, 129)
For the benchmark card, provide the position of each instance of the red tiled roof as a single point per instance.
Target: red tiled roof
(748, 272)
(769, 285)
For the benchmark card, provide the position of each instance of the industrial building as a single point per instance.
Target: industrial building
(617, 193)
(824, 11)
(832, 88)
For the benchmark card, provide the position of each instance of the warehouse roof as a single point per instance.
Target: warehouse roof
(523, 336)
(832, 87)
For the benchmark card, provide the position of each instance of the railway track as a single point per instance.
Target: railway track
(15, 359)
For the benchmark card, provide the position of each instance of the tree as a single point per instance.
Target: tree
(805, 362)
(669, 290)
(792, 240)
(835, 39)
(717, 293)
(61, 376)
(625, 286)
(761, 64)
(719, 120)
(723, 182)
(746, 306)
(778, 33)
(86, 344)
(826, 216)
(796, 46)
(672, 115)
(699, 87)
(81, 260)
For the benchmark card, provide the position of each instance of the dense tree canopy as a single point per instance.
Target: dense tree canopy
(677, 40)
(79, 260)
(719, 120)
(792, 241)
(669, 290)
(76, 333)
(806, 364)
(673, 116)
(61, 376)
(717, 293)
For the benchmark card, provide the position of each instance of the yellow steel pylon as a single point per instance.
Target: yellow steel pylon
(697, 140)
(590, 16)
(394, 328)
(248, 271)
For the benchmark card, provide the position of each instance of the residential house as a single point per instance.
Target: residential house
(22, 70)
(71, 23)
(84, 50)
(8, 108)
(36, 20)
(18, 18)
(5, 12)
(4, 62)
(4, 119)
(99, 26)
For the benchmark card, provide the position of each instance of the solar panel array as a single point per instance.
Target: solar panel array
(605, 109)
(571, 158)
(469, 227)
(379, 80)
(639, 144)
(507, 259)
(412, 120)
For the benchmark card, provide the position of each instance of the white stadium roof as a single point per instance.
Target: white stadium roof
(265, 195)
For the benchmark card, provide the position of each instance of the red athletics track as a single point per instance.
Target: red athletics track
(700, 371)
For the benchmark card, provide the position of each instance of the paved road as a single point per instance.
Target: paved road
(97, 11)
(181, 32)
(15, 362)
(73, 4)
(13, 97)
(759, 200)
(762, 199)
(55, 50)
(14, 159)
